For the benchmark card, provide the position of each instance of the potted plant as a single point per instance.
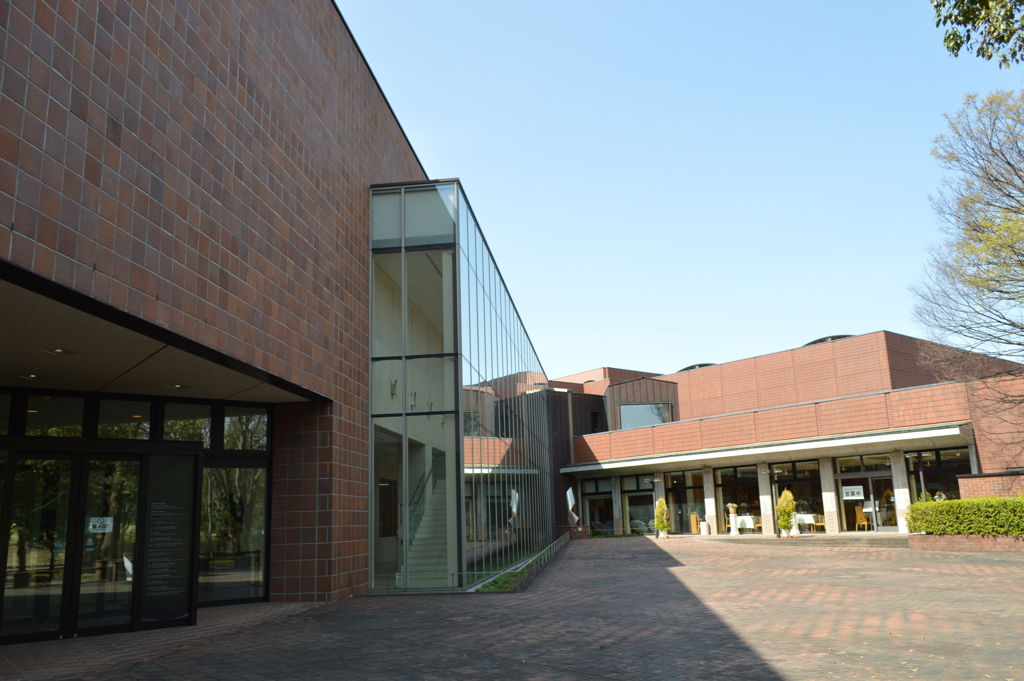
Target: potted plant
(733, 528)
(784, 509)
(661, 523)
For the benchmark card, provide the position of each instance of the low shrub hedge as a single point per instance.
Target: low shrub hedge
(992, 516)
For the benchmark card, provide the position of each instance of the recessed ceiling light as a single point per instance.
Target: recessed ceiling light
(31, 377)
(60, 351)
(32, 411)
(178, 386)
(136, 416)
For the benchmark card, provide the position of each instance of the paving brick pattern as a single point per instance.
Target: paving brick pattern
(637, 608)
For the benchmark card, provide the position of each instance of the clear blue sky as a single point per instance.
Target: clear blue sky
(665, 183)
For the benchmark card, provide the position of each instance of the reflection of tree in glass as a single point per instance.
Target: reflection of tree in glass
(39, 511)
(245, 432)
(54, 431)
(135, 430)
(114, 492)
(189, 430)
(662, 411)
(233, 509)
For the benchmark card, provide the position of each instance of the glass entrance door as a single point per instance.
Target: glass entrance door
(869, 504)
(883, 504)
(70, 538)
(108, 529)
(38, 504)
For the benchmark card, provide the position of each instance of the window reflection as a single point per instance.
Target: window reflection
(641, 415)
(386, 219)
(245, 428)
(5, 413)
(52, 416)
(124, 419)
(933, 474)
(188, 422)
(232, 537)
(430, 215)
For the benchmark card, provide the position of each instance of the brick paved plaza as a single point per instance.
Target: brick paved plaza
(629, 608)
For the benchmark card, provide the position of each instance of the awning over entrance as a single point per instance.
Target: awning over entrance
(876, 442)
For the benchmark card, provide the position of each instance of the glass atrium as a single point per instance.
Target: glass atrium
(461, 483)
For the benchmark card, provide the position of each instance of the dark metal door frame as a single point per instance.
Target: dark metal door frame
(79, 452)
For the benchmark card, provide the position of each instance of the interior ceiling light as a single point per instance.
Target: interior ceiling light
(60, 352)
(32, 411)
(31, 377)
(178, 386)
(136, 416)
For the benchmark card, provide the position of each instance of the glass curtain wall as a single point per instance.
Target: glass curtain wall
(458, 400)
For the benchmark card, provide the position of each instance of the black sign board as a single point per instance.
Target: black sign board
(170, 506)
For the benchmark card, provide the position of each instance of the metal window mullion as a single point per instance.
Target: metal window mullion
(459, 453)
(406, 530)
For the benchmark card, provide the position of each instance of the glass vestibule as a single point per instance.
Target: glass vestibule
(458, 495)
(867, 494)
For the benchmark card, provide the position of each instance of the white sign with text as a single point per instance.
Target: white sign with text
(853, 492)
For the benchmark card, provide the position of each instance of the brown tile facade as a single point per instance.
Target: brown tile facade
(204, 165)
(853, 385)
(977, 486)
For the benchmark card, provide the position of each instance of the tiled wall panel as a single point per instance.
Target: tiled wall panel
(204, 165)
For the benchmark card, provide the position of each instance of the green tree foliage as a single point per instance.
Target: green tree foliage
(973, 296)
(785, 507)
(661, 523)
(989, 28)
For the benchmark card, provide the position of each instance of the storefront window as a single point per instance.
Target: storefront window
(804, 481)
(738, 485)
(933, 474)
(685, 498)
(598, 510)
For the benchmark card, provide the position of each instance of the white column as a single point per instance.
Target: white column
(900, 488)
(764, 491)
(617, 504)
(709, 499)
(828, 496)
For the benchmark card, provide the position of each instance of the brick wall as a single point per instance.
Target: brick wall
(931, 542)
(975, 486)
(204, 165)
(901, 409)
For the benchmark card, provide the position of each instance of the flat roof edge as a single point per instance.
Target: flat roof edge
(870, 437)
